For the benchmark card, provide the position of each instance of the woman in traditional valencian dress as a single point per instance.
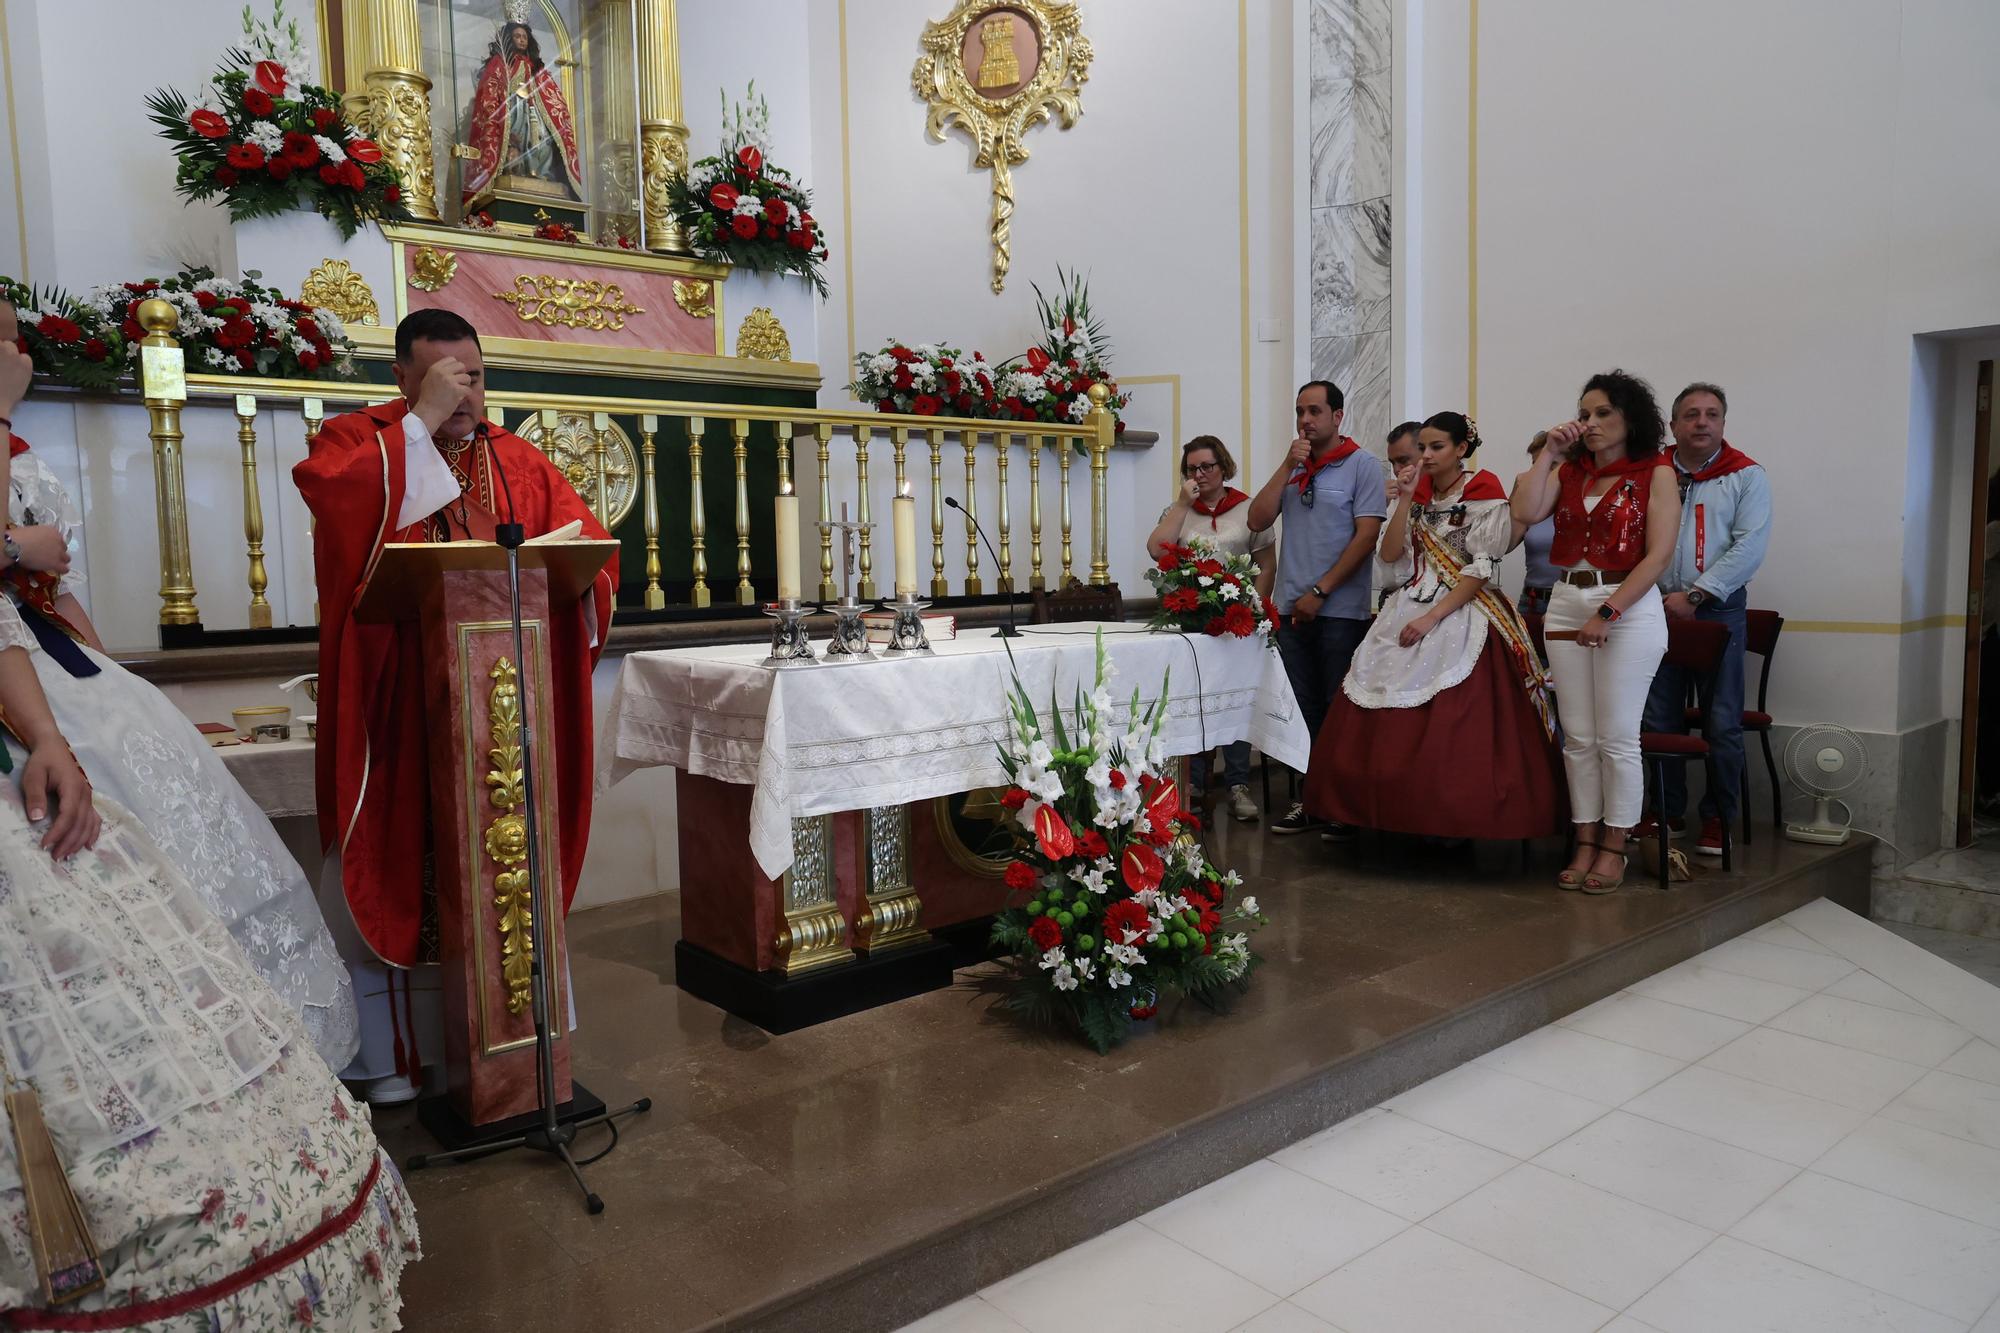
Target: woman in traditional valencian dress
(1444, 725)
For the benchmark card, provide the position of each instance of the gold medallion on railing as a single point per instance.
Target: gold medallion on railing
(573, 449)
(335, 286)
(696, 296)
(431, 268)
(762, 337)
(570, 303)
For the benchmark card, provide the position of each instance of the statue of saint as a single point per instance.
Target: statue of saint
(520, 125)
(999, 67)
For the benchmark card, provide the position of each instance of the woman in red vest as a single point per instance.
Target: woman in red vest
(1617, 512)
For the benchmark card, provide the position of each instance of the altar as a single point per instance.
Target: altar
(836, 818)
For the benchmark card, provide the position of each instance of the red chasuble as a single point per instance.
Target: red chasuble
(372, 762)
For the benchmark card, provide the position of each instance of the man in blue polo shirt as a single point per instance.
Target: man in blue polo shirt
(1725, 529)
(1332, 497)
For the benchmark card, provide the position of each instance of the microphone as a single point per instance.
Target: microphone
(509, 534)
(1007, 631)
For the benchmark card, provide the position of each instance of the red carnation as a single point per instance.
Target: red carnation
(58, 329)
(1168, 561)
(258, 102)
(1013, 798)
(1239, 620)
(1214, 626)
(1125, 922)
(352, 176)
(965, 404)
(206, 300)
(394, 194)
(95, 350)
(1118, 779)
(226, 176)
(300, 148)
(799, 240)
(1021, 876)
(280, 167)
(271, 77)
(331, 173)
(208, 124)
(308, 361)
(750, 159)
(324, 117)
(246, 360)
(903, 378)
(1093, 845)
(130, 328)
(1192, 820)
(723, 195)
(926, 405)
(1212, 568)
(365, 151)
(308, 330)
(775, 210)
(1045, 933)
(246, 157)
(744, 227)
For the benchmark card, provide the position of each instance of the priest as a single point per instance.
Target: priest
(425, 467)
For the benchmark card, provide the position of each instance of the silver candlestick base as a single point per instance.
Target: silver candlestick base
(789, 644)
(850, 636)
(906, 635)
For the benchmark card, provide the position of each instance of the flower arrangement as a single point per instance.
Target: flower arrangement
(266, 141)
(740, 208)
(1203, 591)
(926, 380)
(64, 339)
(1119, 907)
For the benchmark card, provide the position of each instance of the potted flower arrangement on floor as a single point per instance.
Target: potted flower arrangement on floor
(1116, 906)
(742, 208)
(1203, 591)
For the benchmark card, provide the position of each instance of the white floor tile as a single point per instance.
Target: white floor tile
(1731, 1287)
(1687, 1175)
(1625, 1323)
(1772, 962)
(1653, 1025)
(1498, 1110)
(1871, 989)
(1584, 1240)
(1718, 992)
(1421, 1282)
(1935, 1170)
(1964, 1108)
(1280, 1229)
(1131, 1279)
(1928, 1258)
(1837, 1074)
(1408, 1169)
(1576, 1062)
(971, 1315)
(1867, 1027)
(1781, 932)
(1755, 1116)
(1287, 1318)
(1975, 1059)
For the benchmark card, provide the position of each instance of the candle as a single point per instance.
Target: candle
(786, 529)
(904, 509)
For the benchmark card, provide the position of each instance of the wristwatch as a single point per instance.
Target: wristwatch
(1314, 590)
(1609, 612)
(11, 547)
(1697, 596)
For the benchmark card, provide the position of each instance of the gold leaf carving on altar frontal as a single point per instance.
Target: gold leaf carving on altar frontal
(696, 296)
(507, 837)
(335, 286)
(762, 338)
(572, 447)
(431, 268)
(570, 303)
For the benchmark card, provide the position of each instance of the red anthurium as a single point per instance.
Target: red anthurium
(751, 159)
(1163, 805)
(208, 124)
(1038, 360)
(365, 151)
(1142, 867)
(1053, 834)
(271, 77)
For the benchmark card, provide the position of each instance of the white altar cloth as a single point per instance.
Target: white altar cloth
(820, 740)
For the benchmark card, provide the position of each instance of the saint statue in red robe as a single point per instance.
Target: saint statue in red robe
(520, 124)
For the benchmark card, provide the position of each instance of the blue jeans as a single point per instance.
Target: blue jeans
(1316, 659)
(1235, 767)
(1665, 710)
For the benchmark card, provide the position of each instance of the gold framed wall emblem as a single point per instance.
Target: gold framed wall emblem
(996, 68)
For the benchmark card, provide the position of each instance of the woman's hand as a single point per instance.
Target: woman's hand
(1190, 491)
(1415, 632)
(43, 548)
(1594, 633)
(1562, 438)
(53, 775)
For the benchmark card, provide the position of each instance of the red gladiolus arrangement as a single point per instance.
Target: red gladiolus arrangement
(1204, 592)
(1114, 902)
(738, 207)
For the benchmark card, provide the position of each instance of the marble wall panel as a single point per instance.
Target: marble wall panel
(1351, 124)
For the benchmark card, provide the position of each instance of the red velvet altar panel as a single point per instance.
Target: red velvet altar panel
(660, 324)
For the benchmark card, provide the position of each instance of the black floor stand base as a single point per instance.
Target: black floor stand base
(456, 1134)
(778, 1003)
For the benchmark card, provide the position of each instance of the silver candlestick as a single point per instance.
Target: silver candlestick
(906, 635)
(789, 644)
(850, 635)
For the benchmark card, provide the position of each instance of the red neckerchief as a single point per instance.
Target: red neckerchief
(1303, 478)
(16, 446)
(1231, 497)
(1624, 467)
(1481, 485)
(1727, 459)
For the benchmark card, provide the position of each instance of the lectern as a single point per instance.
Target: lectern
(475, 694)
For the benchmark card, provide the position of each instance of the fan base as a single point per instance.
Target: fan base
(1824, 835)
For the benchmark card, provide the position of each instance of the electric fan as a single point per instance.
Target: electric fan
(1824, 760)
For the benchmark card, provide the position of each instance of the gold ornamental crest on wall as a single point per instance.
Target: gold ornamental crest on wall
(996, 68)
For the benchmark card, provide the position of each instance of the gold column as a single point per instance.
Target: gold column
(698, 512)
(972, 588)
(1106, 425)
(253, 510)
(782, 432)
(813, 934)
(600, 432)
(899, 443)
(314, 412)
(739, 434)
(1062, 456)
(865, 588)
(656, 598)
(614, 66)
(823, 435)
(663, 153)
(1036, 582)
(890, 914)
(163, 376)
(1004, 580)
(939, 588)
(385, 45)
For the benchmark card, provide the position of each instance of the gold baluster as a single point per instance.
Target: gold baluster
(314, 412)
(550, 420)
(972, 587)
(1062, 457)
(698, 512)
(499, 417)
(1035, 581)
(163, 373)
(656, 597)
(823, 436)
(939, 588)
(899, 441)
(253, 510)
(600, 431)
(1100, 417)
(1005, 580)
(866, 590)
(739, 434)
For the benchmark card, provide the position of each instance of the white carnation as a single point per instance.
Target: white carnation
(266, 136)
(1079, 409)
(334, 152)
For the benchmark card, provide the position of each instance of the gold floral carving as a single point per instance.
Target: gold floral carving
(696, 296)
(399, 119)
(431, 268)
(998, 124)
(335, 286)
(663, 158)
(507, 837)
(762, 337)
(572, 447)
(571, 303)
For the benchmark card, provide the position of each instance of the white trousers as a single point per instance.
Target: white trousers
(1601, 693)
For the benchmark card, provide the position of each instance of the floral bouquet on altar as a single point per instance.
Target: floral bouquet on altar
(740, 208)
(1205, 592)
(267, 141)
(926, 381)
(1053, 381)
(1120, 908)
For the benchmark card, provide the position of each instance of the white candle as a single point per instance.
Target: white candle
(786, 529)
(904, 508)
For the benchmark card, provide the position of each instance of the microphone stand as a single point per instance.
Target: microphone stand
(1006, 631)
(552, 1135)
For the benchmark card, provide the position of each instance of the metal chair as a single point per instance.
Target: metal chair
(1697, 647)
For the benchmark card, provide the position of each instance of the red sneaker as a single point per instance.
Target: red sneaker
(1711, 838)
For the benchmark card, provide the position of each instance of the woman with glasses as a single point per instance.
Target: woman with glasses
(1210, 508)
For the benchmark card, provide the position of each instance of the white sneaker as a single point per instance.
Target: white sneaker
(394, 1090)
(1241, 807)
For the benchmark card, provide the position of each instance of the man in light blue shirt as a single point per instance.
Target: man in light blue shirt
(1725, 529)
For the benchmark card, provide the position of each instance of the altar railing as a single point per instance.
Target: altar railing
(685, 431)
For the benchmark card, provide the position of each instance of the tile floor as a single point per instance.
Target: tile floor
(1798, 1130)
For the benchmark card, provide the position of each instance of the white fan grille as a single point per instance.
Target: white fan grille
(1826, 759)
